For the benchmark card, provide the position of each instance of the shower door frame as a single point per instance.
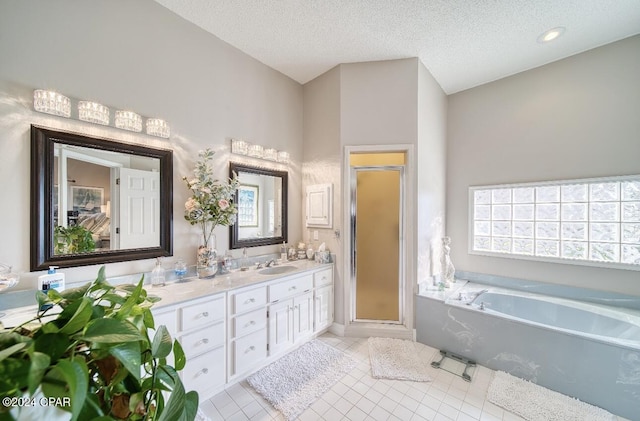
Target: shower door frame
(365, 329)
(401, 245)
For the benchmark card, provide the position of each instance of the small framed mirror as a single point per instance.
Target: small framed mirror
(262, 207)
(97, 201)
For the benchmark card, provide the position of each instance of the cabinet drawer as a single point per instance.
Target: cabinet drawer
(202, 313)
(324, 277)
(249, 350)
(202, 340)
(290, 288)
(250, 322)
(248, 300)
(205, 372)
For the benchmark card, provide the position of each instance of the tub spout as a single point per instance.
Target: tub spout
(475, 295)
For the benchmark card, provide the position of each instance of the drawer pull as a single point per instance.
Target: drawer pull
(251, 323)
(203, 371)
(292, 288)
(204, 341)
(250, 300)
(251, 348)
(205, 314)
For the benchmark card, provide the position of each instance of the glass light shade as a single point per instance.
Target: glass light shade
(239, 147)
(158, 127)
(128, 120)
(93, 112)
(283, 157)
(51, 103)
(256, 151)
(271, 154)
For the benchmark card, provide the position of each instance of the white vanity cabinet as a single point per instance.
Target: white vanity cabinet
(247, 321)
(290, 312)
(323, 299)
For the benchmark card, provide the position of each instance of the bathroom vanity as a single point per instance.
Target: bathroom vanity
(237, 323)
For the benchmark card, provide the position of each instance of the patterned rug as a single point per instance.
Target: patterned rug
(536, 403)
(294, 382)
(396, 359)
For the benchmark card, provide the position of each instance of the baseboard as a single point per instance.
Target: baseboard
(367, 330)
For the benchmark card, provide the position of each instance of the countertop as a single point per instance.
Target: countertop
(20, 306)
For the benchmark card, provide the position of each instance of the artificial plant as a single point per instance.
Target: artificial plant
(94, 346)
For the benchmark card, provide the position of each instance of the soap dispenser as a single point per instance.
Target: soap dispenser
(157, 275)
(52, 280)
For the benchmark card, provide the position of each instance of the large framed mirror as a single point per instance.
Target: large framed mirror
(262, 207)
(96, 201)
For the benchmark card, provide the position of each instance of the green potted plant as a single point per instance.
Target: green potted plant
(90, 351)
(72, 240)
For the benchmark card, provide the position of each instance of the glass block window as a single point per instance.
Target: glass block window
(595, 221)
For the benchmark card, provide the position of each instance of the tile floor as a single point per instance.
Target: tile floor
(358, 396)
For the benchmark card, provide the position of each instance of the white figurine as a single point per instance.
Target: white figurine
(448, 271)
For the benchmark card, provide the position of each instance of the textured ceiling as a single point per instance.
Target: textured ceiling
(463, 43)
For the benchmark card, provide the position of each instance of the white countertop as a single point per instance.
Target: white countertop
(177, 292)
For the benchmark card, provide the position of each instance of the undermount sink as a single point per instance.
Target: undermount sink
(275, 270)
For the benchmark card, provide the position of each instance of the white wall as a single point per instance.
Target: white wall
(394, 102)
(322, 159)
(139, 56)
(431, 173)
(575, 118)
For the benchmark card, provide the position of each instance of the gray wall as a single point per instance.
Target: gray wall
(139, 56)
(575, 118)
(395, 102)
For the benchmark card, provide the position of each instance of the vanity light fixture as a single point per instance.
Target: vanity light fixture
(271, 154)
(239, 147)
(551, 34)
(128, 120)
(158, 127)
(51, 102)
(283, 157)
(93, 112)
(256, 151)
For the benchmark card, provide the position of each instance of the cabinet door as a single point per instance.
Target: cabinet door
(280, 326)
(323, 310)
(302, 316)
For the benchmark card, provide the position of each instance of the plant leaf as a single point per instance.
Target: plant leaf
(111, 331)
(80, 318)
(190, 405)
(7, 352)
(75, 293)
(173, 408)
(13, 375)
(39, 364)
(76, 376)
(52, 344)
(148, 319)
(161, 346)
(180, 360)
(129, 356)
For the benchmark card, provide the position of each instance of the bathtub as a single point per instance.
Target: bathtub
(588, 351)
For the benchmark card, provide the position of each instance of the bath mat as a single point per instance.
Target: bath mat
(536, 403)
(396, 359)
(294, 382)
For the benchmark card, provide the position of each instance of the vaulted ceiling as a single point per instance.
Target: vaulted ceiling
(463, 43)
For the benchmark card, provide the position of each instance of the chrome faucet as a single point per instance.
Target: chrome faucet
(476, 295)
(271, 262)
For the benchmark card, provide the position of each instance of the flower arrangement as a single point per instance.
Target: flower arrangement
(211, 203)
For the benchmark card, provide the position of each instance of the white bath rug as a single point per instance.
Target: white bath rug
(536, 403)
(294, 382)
(397, 359)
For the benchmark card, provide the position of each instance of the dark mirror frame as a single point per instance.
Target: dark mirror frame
(234, 241)
(42, 163)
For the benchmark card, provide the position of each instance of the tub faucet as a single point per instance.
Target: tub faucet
(476, 295)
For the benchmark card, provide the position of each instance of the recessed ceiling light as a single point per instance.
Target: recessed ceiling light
(551, 34)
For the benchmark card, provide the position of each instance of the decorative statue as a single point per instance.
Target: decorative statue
(448, 271)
